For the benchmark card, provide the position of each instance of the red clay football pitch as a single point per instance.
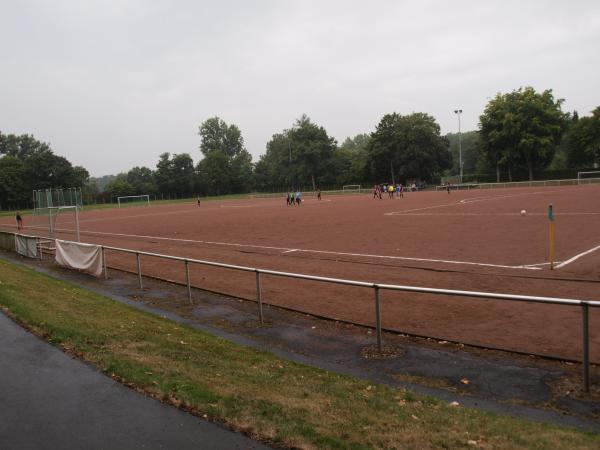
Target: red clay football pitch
(468, 240)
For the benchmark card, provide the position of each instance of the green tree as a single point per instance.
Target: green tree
(13, 191)
(39, 168)
(234, 171)
(350, 159)
(274, 168)
(583, 145)
(183, 172)
(142, 180)
(407, 147)
(215, 172)
(299, 156)
(44, 169)
(522, 129)
(164, 174)
(21, 147)
(241, 172)
(120, 187)
(217, 136)
(470, 144)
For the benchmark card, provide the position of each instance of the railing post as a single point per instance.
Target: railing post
(139, 270)
(259, 298)
(187, 280)
(586, 346)
(104, 263)
(378, 318)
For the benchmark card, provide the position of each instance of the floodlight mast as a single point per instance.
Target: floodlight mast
(458, 112)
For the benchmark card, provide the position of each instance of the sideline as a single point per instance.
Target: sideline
(287, 250)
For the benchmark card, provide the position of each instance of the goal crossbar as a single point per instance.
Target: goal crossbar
(596, 172)
(144, 197)
(582, 178)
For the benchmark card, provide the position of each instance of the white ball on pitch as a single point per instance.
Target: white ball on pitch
(523, 212)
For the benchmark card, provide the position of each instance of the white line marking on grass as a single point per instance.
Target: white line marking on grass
(325, 252)
(576, 257)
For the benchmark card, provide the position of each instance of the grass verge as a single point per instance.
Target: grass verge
(264, 396)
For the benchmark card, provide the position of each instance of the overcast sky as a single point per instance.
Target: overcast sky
(112, 84)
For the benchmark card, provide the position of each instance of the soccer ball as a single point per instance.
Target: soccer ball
(523, 212)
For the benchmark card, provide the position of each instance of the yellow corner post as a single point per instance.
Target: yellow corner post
(551, 218)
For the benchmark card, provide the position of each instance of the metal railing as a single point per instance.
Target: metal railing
(585, 305)
(377, 287)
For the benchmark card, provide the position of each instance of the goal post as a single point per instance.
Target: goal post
(54, 212)
(591, 176)
(351, 187)
(133, 199)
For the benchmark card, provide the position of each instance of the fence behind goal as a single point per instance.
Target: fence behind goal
(55, 198)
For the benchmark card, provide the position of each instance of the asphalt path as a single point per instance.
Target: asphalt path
(49, 400)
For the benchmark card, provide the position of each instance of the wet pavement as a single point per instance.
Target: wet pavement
(50, 401)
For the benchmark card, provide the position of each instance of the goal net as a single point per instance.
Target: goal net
(351, 187)
(54, 198)
(134, 199)
(588, 177)
(61, 206)
(68, 224)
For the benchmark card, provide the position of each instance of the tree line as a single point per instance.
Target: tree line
(27, 165)
(522, 134)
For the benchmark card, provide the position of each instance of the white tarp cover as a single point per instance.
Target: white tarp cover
(85, 257)
(26, 245)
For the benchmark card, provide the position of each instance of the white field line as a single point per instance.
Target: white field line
(503, 214)
(541, 264)
(576, 257)
(325, 252)
(463, 202)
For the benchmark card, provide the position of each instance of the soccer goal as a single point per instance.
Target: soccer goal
(351, 187)
(588, 177)
(54, 212)
(134, 199)
(55, 203)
